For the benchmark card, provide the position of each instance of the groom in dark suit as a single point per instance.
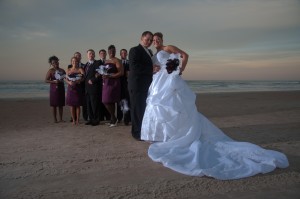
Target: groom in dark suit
(139, 80)
(93, 88)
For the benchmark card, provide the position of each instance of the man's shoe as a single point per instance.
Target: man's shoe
(88, 123)
(95, 123)
(138, 139)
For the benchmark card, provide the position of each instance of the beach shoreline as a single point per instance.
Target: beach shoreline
(41, 159)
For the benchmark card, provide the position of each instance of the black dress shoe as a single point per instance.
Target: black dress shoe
(95, 123)
(137, 138)
(88, 123)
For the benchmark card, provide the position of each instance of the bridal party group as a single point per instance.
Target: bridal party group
(97, 88)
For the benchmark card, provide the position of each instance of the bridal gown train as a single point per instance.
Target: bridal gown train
(187, 142)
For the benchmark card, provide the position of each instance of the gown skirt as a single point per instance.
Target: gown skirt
(185, 141)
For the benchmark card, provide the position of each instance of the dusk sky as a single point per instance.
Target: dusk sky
(226, 39)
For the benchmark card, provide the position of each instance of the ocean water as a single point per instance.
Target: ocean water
(39, 89)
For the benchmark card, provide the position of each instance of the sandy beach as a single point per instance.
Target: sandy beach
(42, 159)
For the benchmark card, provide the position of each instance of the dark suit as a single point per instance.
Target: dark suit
(93, 91)
(139, 80)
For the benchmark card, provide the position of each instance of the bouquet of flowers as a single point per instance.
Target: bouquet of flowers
(59, 75)
(74, 77)
(172, 65)
(103, 70)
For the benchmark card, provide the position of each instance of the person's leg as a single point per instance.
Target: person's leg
(89, 109)
(84, 110)
(54, 113)
(77, 114)
(61, 110)
(106, 114)
(111, 109)
(73, 114)
(127, 117)
(119, 112)
(95, 103)
(138, 106)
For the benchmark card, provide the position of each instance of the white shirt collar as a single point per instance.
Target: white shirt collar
(147, 50)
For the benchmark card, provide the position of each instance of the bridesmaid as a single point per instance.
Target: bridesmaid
(111, 91)
(54, 77)
(74, 92)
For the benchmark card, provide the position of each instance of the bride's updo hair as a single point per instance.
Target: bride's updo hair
(158, 34)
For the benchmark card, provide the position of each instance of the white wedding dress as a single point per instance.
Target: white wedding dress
(187, 142)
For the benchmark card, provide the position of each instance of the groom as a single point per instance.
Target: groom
(139, 80)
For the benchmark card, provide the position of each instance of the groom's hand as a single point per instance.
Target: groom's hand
(156, 68)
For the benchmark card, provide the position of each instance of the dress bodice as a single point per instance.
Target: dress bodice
(73, 74)
(161, 57)
(112, 68)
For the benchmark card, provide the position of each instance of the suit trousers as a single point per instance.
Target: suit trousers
(93, 106)
(138, 106)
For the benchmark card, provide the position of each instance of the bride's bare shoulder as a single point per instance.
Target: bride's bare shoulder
(170, 49)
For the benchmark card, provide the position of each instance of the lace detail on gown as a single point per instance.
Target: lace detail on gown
(187, 142)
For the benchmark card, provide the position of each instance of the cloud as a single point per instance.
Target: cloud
(215, 33)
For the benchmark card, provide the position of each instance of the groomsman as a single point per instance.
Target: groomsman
(93, 88)
(124, 88)
(139, 80)
(78, 56)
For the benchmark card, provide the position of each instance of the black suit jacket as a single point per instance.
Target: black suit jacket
(140, 69)
(90, 74)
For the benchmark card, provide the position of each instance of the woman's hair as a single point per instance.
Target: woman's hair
(73, 58)
(111, 47)
(158, 34)
(52, 58)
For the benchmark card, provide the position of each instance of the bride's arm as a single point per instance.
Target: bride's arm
(184, 55)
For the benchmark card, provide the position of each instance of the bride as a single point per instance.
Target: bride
(186, 141)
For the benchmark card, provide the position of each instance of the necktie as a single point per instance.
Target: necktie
(87, 66)
(150, 51)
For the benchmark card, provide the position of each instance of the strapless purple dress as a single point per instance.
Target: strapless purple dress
(57, 93)
(74, 94)
(111, 90)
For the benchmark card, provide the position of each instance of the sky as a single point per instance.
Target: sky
(225, 39)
